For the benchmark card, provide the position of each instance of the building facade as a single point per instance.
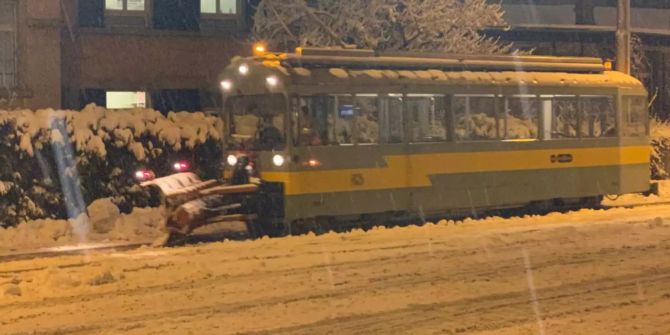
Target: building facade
(587, 28)
(30, 53)
(165, 54)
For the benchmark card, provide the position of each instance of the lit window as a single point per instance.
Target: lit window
(218, 7)
(135, 5)
(124, 100)
(114, 4)
(125, 5)
(228, 6)
(208, 6)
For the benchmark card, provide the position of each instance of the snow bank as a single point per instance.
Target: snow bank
(102, 215)
(104, 223)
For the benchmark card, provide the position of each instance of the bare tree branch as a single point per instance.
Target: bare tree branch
(283, 24)
(323, 26)
(452, 26)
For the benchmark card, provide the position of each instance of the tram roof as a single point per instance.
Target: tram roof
(318, 66)
(405, 60)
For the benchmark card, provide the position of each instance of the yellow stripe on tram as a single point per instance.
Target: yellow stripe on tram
(403, 171)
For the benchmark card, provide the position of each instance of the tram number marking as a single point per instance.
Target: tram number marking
(562, 158)
(357, 179)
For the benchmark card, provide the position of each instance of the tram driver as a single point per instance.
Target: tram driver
(309, 135)
(269, 136)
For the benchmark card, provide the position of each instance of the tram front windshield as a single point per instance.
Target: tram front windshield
(257, 122)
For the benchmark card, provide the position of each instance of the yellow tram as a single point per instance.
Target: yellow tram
(336, 134)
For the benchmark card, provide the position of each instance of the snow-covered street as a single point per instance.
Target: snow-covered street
(591, 272)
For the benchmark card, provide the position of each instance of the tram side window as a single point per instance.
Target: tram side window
(367, 119)
(313, 120)
(427, 113)
(476, 118)
(598, 116)
(343, 125)
(336, 119)
(564, 117)
(522, 117)
(391, 123)
(635, 117)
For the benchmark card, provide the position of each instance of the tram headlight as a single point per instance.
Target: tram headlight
(278, 160)
(232, 160)
(244, 69)
(272, 81)
(226, 85)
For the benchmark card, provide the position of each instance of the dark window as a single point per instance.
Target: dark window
(249, 11)
(211, 100)
(177, 15)
(92, 13)
(7, 44)
(176, 100)
(92, 95)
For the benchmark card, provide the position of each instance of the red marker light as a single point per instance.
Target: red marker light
(144, 175)
(313, 163)
(180, 166)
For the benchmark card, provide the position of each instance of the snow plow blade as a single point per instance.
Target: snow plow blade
(234, 218)
(192, 203)
(226, 189)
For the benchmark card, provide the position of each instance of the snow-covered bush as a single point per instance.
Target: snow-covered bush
(660, 154)
(55, 163)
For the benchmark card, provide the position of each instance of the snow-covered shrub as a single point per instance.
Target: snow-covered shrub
(660, 154)
(55, 163)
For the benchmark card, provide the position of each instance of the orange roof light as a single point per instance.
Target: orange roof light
(608, 65)
(260, 49)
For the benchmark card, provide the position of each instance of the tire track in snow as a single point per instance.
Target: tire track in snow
(396, 282)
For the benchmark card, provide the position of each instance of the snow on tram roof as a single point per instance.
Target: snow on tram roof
(529, 71)
(503, 78)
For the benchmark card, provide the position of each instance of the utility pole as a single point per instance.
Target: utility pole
(623, 37)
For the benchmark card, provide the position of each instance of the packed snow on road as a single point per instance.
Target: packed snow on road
(585, 272)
